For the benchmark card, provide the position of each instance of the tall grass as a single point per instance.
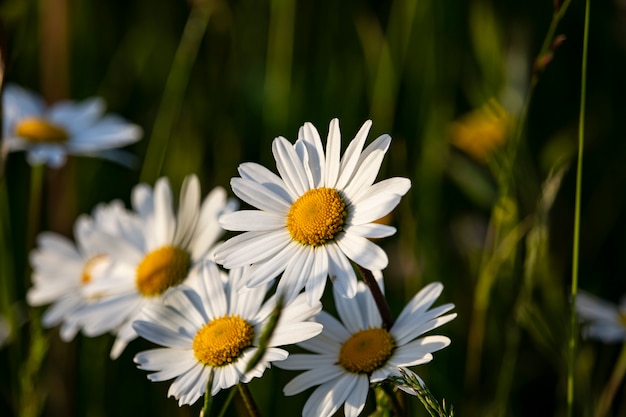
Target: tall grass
(213, 82)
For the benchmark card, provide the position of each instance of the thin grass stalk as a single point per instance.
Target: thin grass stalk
(31, 400)
(279, 62)
(174, 89)
(248, 400)
(487, 278)
(576, 243)
(608, 393)
(231, 395)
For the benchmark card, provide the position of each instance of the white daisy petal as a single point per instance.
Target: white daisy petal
(351, 156)
(350, 355)
(252, 220)
(310, 138)
(371, 230)
(396, 185)
(289, 166)
(316, 283)
(369, 166)
(161, 335)
(263, 176)
(310, 378)
(321, 204)
(355, 401)
(203, 349)
(322, 403)
(261, 273)
(414, 350)
(296, 273)
(212, 290)
(169, 362)
(260, 196)
(187, 211)
(250, 247)
(341, 272)
(49, 133)
(333, 149)
(410, 329)
(363, 252)
(164, 222)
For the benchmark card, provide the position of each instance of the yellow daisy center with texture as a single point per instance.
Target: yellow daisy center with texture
(366, 350)
(221, 341)
(41, 131)
(86, 276)
(161, 269)
(317, 216)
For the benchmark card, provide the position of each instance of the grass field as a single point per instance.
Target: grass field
(482, 100)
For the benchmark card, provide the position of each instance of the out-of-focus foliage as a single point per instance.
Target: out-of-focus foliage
(217, 80)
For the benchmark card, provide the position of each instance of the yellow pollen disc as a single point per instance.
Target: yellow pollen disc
(161, 269)
(221, 341)
(317, 216)
(41, 131)
(366, 350)
(86, 277)
(622, 317)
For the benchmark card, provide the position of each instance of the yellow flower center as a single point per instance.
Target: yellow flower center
(41, 131)
(161, 269)
(366, 350)
(221, 341)
(317, 216)
(86, 277)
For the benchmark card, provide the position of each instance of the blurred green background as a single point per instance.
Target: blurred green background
(216, 81)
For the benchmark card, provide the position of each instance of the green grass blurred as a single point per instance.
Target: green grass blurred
(261, 69)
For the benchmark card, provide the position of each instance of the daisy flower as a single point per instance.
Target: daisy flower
(62, 268)
(314, 218)
(49, 133)
(602, 320)
(156, 253)
(357, 351)
(216, 329)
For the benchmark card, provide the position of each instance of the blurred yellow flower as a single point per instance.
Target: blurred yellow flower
(481, 131)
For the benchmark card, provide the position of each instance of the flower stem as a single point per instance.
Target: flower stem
(248, 400)
(379, 297)
(231, 394)
(208, 398)
(575, 250)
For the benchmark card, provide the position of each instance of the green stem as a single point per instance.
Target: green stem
(606, 398)
(231, 395)
(379, 297)
(248, 400)
(31, 398)
(575, 250)
(208, 398)
(175, 87)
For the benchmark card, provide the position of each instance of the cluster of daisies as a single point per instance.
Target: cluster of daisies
(160, 270)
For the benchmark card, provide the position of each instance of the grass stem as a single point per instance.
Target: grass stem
(576, 243)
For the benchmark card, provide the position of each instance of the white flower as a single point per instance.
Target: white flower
(49, 133)
(62, 268)
(351, 354)
(216, 328)
(156, 253)
(602, 320)
(316, 217)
